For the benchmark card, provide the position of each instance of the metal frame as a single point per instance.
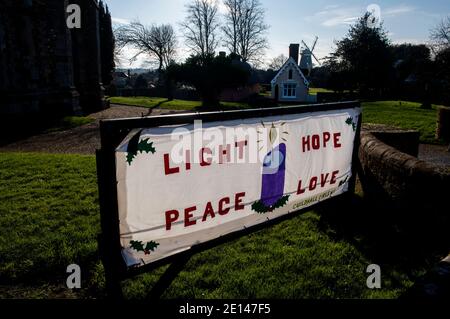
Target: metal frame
(112, 132)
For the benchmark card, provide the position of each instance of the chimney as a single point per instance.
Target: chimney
(294, 49)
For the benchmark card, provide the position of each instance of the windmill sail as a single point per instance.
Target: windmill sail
(306, 63)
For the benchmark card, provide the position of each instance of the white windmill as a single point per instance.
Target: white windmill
(306, 63)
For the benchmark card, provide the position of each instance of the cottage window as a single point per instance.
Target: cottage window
(290, 74)
(289, 90)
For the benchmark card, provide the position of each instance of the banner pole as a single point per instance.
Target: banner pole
(109, 241)
(355, 157)
(168, 276)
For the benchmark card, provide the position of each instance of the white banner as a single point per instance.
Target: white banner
(183, 185)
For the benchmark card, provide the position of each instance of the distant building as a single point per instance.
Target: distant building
(120, 79)
(45, 67)
(290, 84)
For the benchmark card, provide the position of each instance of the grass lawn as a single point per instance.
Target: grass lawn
(314, 91)
(163, 103)
(402, 114)
(49, 218)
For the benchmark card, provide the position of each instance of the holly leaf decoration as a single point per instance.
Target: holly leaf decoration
(349, 121)
(260, 208)
(139, 246)
(130, 157)
(142, 146)
(145, 146)
(151, 246)
(282, 202)
(342, 182)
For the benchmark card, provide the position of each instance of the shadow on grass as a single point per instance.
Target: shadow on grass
(156, 106)
(159, 104)
(408, 240)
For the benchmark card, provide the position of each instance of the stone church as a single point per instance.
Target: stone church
(45, 66)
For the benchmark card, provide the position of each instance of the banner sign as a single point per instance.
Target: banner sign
(178, 186)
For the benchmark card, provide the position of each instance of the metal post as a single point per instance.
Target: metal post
(169, 275)
(355, 158)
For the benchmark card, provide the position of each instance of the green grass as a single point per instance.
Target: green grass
(294, 259)
(314, 91)
(69, 122)
(402, 114)
(49, 218)
(163, 103)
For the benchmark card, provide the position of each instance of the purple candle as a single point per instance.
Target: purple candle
(273, 173)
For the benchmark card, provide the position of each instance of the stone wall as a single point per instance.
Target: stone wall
(389, 175)
(406, 141)
(443, 123)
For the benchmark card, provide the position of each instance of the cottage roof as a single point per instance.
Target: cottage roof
(290, 62)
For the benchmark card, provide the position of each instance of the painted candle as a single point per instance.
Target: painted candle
(273, 174)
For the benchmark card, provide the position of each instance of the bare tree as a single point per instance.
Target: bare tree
(277, 62)
(440, 35)
(232, 23)
(117, 55)
(158, 42)
(200, 27)
(245, 29)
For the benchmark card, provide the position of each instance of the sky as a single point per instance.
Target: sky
(292, 21)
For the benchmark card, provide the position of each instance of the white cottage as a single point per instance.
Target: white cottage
(290, 84)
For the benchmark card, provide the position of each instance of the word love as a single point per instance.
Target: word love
(317, 181)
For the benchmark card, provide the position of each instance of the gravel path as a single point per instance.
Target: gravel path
(436, 154)
(84, 139)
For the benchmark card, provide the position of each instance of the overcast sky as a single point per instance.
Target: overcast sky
(292, 20)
